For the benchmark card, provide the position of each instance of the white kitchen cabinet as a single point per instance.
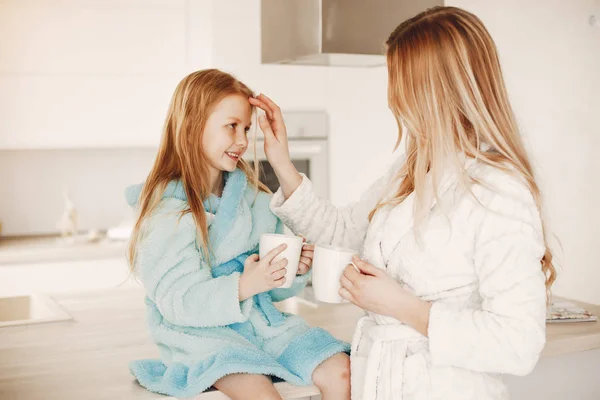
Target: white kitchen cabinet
(86, 38)
(85, 73)
(45, 112)
(65, 277)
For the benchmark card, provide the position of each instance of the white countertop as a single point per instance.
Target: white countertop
(87, 358)
(39, 249)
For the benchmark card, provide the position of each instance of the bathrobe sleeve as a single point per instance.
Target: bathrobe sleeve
(281, 294)
(178, 280)
(321, 222)
(507, 334)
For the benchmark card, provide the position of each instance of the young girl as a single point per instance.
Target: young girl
(455, 268)
(209, 297)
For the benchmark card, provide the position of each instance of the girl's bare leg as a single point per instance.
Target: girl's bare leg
(247, 386)
(332, 377)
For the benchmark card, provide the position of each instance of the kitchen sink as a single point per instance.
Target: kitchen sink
(30, 309)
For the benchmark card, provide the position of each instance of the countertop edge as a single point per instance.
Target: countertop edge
(581, 343)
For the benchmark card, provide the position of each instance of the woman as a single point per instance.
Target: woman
(455, 268)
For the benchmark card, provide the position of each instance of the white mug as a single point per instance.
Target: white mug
(269, 241)
(329, 263)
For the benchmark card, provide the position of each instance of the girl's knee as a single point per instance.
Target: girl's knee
(333, 371)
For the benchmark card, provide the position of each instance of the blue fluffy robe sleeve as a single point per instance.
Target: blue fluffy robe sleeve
(285, 293)
(179, 280)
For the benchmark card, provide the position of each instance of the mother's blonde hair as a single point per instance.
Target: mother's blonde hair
(180, 155)
(446, 88)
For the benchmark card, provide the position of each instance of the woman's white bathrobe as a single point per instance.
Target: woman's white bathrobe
(477, 259)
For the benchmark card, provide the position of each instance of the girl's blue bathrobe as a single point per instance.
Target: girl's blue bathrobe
(194, 314)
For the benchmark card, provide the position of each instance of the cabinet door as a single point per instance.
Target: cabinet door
(65, 277)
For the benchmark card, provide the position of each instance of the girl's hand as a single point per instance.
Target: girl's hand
(306, 258)
(262, 275)
(372, 289)
(272, 125)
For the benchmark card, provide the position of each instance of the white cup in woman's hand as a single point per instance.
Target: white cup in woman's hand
(328, 266)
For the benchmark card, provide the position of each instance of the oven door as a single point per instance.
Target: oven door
(309, 156)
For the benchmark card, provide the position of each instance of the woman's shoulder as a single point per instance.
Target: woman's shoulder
(490, 182)
(504, 193)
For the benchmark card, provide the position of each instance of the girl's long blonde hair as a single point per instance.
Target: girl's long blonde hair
(180, 155)
(446, 88)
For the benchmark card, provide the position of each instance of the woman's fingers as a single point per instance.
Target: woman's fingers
(266, 128)
(269, 103)
(346, 283)
(345, 294)
(276, 116)
(351, 274)
(365, 267)
(257, 103)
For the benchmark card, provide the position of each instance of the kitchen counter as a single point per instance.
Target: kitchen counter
(45, 249)
(87, 358)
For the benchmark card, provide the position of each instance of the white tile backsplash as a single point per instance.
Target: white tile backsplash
(33, 183)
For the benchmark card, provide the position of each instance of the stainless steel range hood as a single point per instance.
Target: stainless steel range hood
(332, 32)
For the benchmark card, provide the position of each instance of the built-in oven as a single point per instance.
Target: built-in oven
(307, 140)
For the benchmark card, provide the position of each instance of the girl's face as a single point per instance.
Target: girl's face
(225, 134)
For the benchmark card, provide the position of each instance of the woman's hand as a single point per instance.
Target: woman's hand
(272, 125)
(372, 289)
(262, 275)
(276, 144)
